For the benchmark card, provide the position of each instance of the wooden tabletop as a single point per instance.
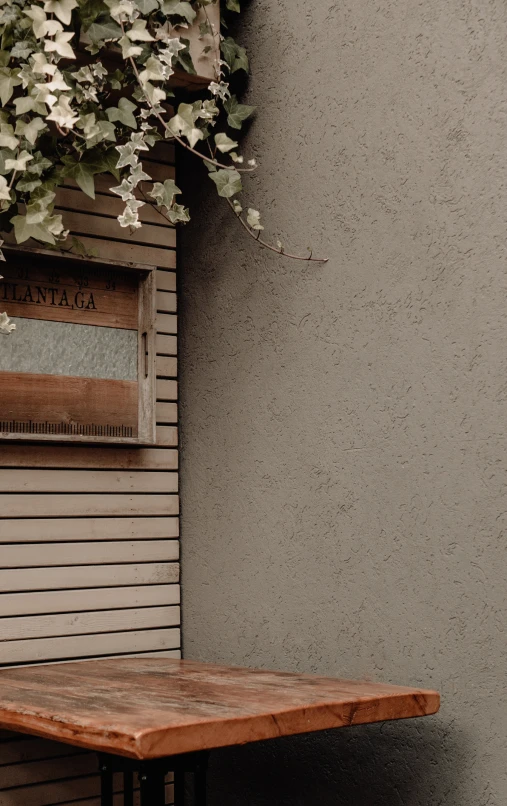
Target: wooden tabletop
(159, 707)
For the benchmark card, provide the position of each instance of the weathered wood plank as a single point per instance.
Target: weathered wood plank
(87, 481)
(73, 198)
(83, 645)
(21, 748)
(167, 390)
(39, 505)
(166, 413)
(84, 529)
(166, 366)
(40, 555)
(90, 457)
(81, 224)
(36, 772)
(166, 302)
(60, 399)
(88, 576)
(166, 345)
(130, 253)
(102, 621)
(165, 280)
(167, 323)
(74, 601)
(167, 435)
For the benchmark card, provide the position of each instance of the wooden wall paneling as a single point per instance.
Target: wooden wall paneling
(76, 600)
(66, 529)
(89, 533)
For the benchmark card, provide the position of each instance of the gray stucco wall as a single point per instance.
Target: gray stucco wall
(344, 426)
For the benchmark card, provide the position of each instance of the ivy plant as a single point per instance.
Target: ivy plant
(85, 89)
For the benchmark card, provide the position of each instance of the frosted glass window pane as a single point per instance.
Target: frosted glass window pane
(61, 348)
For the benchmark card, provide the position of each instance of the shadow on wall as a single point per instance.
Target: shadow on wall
(392, 764)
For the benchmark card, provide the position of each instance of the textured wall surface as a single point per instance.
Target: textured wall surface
(344, 426)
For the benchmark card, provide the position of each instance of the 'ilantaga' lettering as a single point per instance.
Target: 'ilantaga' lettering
(47, 295)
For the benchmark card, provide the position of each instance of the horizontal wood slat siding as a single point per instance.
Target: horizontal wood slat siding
(89, 535)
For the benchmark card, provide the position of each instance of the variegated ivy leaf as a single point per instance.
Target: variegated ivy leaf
(138, 175)
(228, 182)
(237, 207)
(128, 155)
(60, 44)
(61, 8)
(123, 113)
(183, 124)
(224, 143)
(147, 6)
(236, 158)
(122, 10)
(8, 80)
(31, 130)
(221, 90)
(41, 65)
(154, 70)
(39, 19)
(139, 33)
(130, 218)
(154, 94)
(137, 140)
(254, 219)
(24, 104)
(7, 139)
(164, 193)
(57, 83)
(5, 193)
(124, 190)
(178, 214)
(128, 50)
(63, 114)
(19, 163)
(179, 8)
(6, 326)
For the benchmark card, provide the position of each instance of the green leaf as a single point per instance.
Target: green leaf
(82, 173)
(89, 10)
(234, 55)
(233, 5)
(179, 8)
(123, 113)
(237, 113)
(228, 183)
(23, 231)
(104, 29)
(184, 59)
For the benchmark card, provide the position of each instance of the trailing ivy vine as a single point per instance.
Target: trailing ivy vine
(85, 90)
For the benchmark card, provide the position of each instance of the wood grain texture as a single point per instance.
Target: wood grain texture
(89, 457)
(155, 708)
(88, 576)
(47, 555)
(83, 529)
(56, 399)
(40, 505)
(79, 646)
(87, 481)
(75, 601)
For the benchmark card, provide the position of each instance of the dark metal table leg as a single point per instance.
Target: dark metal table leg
(128, 788)
(152, 781)
(179, 788)
(106, 783)
(201, 768)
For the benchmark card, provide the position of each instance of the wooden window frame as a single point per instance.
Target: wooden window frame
(147, 312)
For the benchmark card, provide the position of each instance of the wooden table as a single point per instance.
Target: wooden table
(154, 716)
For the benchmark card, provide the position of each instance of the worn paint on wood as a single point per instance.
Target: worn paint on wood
(155, 708)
